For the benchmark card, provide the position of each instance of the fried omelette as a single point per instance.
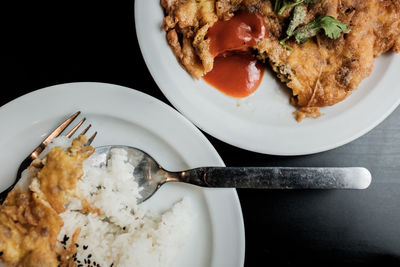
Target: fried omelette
(29, 219)
(320, 72)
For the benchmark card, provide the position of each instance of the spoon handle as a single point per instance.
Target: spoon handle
(279, 177)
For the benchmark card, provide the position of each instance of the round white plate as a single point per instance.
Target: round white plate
(126, 116)
(263, 122)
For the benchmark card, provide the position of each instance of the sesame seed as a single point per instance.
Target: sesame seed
(65, 239)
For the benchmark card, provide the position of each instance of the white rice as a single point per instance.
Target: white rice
(126, 234)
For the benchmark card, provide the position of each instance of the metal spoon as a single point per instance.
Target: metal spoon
(150, 175)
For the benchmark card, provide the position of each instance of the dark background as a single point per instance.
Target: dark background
(48, 43)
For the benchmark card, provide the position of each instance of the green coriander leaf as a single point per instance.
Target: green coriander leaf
(306, 32)
(298, 17)
(332, 27)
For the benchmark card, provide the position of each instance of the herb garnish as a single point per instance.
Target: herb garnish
(298, 17)
(282, 5)
(331, 26)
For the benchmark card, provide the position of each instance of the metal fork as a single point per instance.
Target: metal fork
(34, 155)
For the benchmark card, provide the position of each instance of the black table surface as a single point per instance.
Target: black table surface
(48, 43)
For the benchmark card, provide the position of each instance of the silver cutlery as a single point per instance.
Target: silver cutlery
(151, 176)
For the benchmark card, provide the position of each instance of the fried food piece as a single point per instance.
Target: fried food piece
(186, 23)
(225, 8)
(323, 71)
(28, 230)
(61, 172)
(29, 220)
(320, 72)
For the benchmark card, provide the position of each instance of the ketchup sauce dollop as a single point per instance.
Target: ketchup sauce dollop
(236, 71)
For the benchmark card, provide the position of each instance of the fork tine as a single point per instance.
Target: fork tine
(57, 131)
(86, 129)
(90, 140)
(73, 130)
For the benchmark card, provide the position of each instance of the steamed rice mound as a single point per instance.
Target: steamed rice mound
(124, 234)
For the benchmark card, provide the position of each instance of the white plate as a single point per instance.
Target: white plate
(125, 116)
(263, 122)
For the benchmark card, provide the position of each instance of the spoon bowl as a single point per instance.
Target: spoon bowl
(147, 172)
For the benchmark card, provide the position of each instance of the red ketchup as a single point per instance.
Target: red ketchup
(236, 71)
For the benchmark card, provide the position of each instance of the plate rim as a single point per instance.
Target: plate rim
(359, 131)
(236, 207)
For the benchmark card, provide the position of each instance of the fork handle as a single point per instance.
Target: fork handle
(25, 163)
(279, 177)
